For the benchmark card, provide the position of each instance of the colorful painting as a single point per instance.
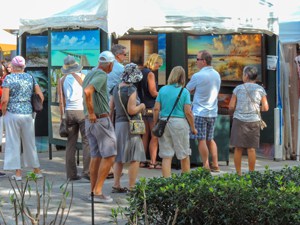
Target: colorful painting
(231, 53)
(84, 45)
(162, 52)
(41, 76)
(36, 51)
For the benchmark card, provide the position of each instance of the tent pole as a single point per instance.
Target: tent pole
(278, 112)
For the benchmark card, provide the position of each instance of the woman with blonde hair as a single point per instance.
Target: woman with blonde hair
(175, 139)
(147, 92)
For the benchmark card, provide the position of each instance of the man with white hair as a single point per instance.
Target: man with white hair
(99, 128)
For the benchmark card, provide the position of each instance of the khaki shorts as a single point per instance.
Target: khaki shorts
(175, 139)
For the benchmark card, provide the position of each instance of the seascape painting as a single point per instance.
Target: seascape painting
(41, 76)
(84, 45)
(231, 53)
(162, 52)
(36, 51)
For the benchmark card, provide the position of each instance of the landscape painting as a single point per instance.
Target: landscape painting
(162, 52)
(231, 53)
(84, 45)
(36, 51)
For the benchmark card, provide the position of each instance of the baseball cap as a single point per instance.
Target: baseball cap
(106, 56)
(18, 61)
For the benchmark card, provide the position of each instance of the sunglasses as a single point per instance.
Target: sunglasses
(199, 59)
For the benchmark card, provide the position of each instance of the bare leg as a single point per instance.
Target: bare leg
(36, 170)
(238, 152)
(132, 173)
(213, 149)
(94, 167)
(185, 165)
(203, 150)
(18, 173)
(251, 158)
(103, 171)
(118, 167)
(166, 167)
(146, 136)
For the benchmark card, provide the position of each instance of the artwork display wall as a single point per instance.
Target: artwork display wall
(84, 45)
(231, 53)
(36, 51)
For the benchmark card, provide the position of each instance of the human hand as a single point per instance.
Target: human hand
(92, 118)
(194, 131)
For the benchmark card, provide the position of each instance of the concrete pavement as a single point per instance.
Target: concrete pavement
(80, 214)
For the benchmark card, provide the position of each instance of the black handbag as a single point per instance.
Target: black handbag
(63, 131)
(36, 101)
(159, 128)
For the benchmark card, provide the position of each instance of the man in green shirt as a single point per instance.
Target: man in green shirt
(99, 128)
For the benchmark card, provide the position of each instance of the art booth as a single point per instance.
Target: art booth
(234, 38)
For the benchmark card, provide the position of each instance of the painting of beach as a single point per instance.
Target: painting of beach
(84, 45)
(231, 53)
(36, 51)
(162, 52)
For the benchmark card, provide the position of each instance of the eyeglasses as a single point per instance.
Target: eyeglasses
(199, 59)
(124, 54)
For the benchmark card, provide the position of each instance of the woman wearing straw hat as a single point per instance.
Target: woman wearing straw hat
(71, 103)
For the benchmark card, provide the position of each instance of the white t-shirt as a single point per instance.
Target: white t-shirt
(73, 93)
(206, 84)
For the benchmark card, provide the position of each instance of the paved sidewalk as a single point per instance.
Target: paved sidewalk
(80, 214)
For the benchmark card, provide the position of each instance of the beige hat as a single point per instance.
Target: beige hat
(70, 65)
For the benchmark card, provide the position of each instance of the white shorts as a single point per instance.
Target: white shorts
(175, 140)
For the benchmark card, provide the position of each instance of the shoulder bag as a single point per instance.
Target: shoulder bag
(135, 126)
(159, 128)
(36, 101)
(261, 122)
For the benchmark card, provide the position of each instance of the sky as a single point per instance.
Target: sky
(34, 9)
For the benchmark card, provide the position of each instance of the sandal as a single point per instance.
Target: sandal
(154, 166)
(120, 190)
(144, 164)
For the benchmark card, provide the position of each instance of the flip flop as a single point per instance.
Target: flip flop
(120, 190)
(154, 166)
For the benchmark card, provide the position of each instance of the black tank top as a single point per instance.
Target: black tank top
(143, 90)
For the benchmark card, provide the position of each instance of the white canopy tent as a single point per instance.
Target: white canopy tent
(194, 16)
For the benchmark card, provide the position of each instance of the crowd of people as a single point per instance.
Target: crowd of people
(98, 106)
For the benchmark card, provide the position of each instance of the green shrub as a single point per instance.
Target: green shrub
(267, 198)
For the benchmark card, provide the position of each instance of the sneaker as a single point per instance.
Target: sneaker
(2, 174)
(215, 169)
(17, 178)
(39, 175)
(101, 199)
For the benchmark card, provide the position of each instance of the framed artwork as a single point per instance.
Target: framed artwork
(41, 76)
(140, 46)
(231, 53)
(84, 45)
(36, 51)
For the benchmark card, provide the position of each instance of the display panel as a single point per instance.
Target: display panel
(41, 76)
(231, 53)
(36, 51)
(84, 45)
(139, 47)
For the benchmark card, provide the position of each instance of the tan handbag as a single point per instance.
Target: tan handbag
(262, 123)
(135, 126)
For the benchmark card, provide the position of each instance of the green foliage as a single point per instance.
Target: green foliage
(270, 198)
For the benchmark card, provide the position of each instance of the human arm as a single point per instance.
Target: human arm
(132, 108)
(156, 111)
(111, 108)
(264, 104)
(190, 118)
(152, 85)
(191, 85)
(88, 94)
(232, 104)
(4, 99)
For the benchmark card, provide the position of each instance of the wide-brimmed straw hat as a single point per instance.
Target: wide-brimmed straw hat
(70, 65)
(131, 73)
